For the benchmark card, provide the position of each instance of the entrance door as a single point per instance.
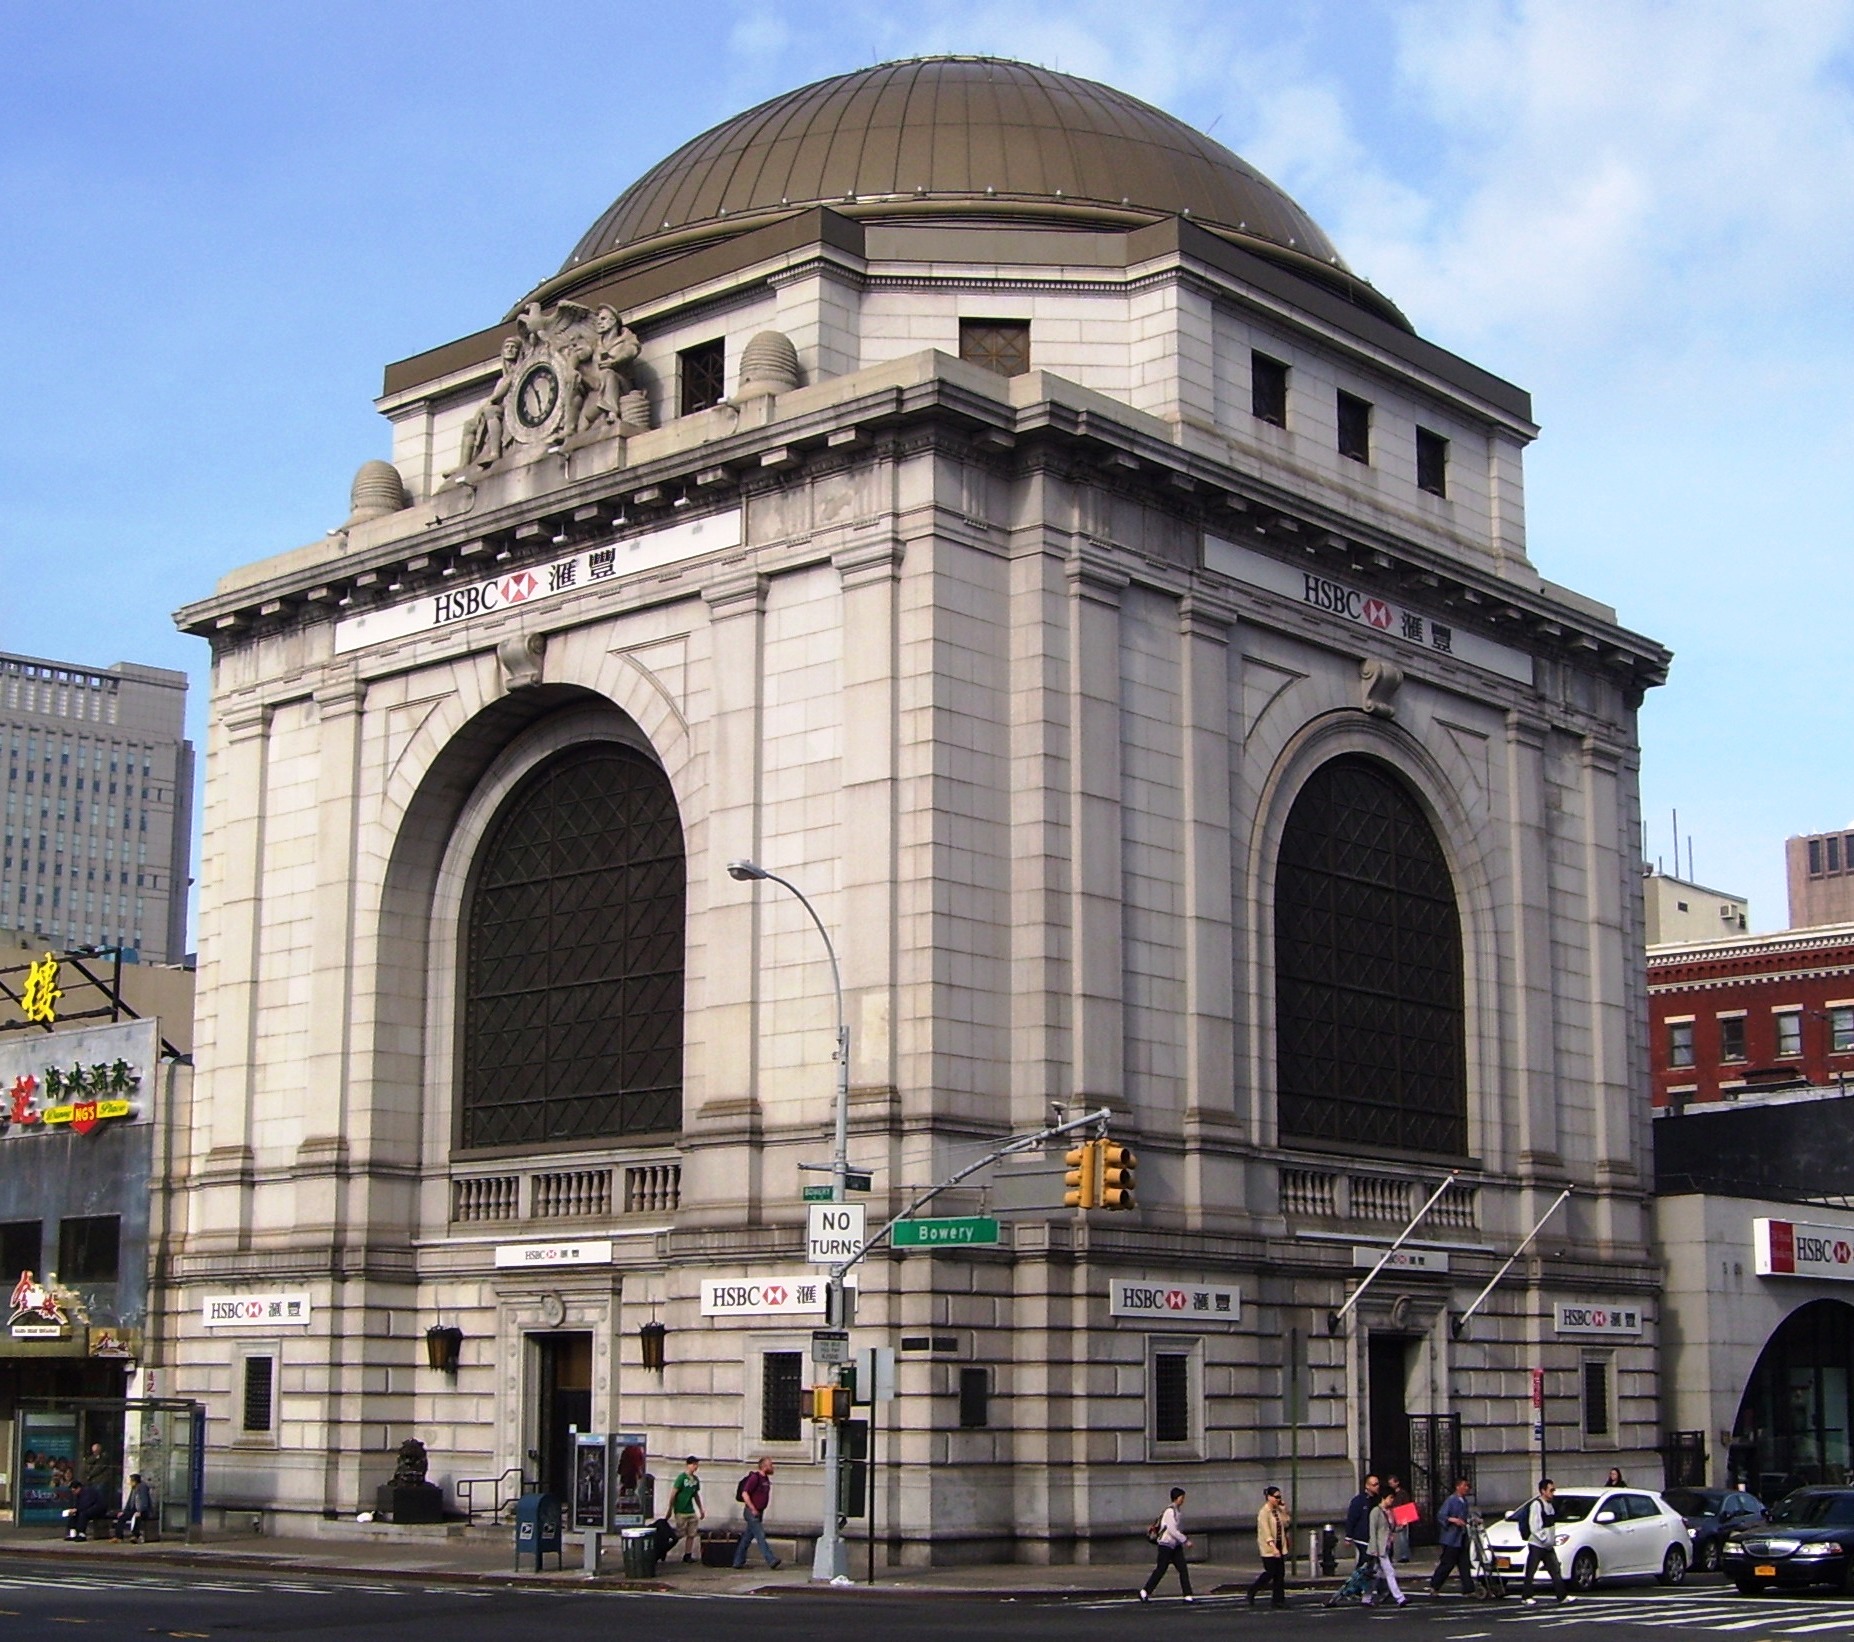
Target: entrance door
(563, 1403)
(1387, 1379)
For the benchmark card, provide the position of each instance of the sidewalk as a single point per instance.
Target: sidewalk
(453, 1554)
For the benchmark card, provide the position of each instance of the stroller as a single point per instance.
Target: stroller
(1358, 1583)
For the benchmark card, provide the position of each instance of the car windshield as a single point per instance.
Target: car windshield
(1815, 1511)
(1573, 1507)
(1690, 1502)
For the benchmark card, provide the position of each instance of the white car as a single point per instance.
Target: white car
(1602, 1532)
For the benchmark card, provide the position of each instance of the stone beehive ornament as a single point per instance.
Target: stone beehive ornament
(377, 491)
(768, 364)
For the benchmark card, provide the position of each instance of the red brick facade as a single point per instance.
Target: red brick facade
(1758, 1012)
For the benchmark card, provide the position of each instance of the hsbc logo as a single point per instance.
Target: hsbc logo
(1175, 1302)
(519, 587)
(1377, 613)
(1793, 1248)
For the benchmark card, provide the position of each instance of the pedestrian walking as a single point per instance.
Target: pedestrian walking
(1358, 1518)
(1404, 1513)
(1272, 1526)
(1381, 1540)
(1615, 1479)
(1168, 1534)
(1537, 1518)
(686, 1510)
(1452, 1520)
(754, 1491)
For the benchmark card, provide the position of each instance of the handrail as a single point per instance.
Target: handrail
(467, 1487)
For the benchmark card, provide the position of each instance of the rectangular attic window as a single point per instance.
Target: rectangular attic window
(1268, 384)
(701, 374)
(1354, 427)
(1001, 345)
(1431, 462)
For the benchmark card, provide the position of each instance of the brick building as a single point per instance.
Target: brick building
(1756, 1012)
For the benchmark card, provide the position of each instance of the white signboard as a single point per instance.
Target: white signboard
(1405, 1259)
(1586, 1318)
(534, 584)
(1415, 629)
(1801, 1248)
(834, 1232)
(531, 1256)
(255, 1310)
(777, 1296)
(1175, 1300)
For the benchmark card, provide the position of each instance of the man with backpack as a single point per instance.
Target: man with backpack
(1538, 1522)
(754, 1491)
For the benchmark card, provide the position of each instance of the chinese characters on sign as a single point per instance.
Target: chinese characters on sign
(254, 1310)
(594, 1252)
(39, 1002)
(768, 1297)
(1595, 1319)
(73, 1081)
(1176, 1302)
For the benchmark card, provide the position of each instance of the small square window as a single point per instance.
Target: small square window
(701, 372)
(1268, 389)
(1001, 345)
(1354, 428)
(1732, 1037)
(1680, 1043)
(1789, 1033)
(1841, 1031)
(1431, 462)
(974, 1398)
(260, 1403)
(19, 1247)
(89, 1250)
(1171, 1397)
(782, 1387)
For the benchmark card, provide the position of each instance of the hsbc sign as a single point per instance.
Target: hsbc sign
(1594, 1318)
(796, 1296)
(1797, 1248)
(1174, 1301)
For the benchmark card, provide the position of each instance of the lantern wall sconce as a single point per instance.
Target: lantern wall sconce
(443, 1347)
(650, 1345)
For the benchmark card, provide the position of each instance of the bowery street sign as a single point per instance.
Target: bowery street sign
(921, 1234)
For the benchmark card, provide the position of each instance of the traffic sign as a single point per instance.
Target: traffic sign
(851, 1183)
(948, 1233)
(834, 1232)
(830, 1345)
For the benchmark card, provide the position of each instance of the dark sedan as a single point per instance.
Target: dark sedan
(1711, 1513)
(1806, 1538)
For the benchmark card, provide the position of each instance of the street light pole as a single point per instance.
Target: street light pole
(831, 1560)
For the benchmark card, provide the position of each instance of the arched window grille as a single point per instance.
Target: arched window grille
(573, 959)
(1368, 983)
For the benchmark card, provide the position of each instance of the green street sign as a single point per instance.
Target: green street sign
(818, 1194)
(950, 1233)
(852, 1182)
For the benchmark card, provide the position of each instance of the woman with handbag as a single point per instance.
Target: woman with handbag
(1168, 1534)
(1383, 1536)
(1404, 1512)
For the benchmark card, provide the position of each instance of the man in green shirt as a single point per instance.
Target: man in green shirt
(686, 1511)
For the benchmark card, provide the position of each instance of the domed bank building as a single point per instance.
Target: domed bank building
(995, 509)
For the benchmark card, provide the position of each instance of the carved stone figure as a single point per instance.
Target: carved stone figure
(617, 346)
(409, 1497)
(412, 1464)
(486, 433)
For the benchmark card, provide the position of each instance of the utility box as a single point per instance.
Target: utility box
(537, 1529)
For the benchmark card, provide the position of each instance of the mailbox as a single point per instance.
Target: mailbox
(537, 1529)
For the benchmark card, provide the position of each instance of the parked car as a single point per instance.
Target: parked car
(1711, 1513)
(1604, 1532)
(1806, 1538)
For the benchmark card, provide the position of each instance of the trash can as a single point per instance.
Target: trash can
(640, 1552)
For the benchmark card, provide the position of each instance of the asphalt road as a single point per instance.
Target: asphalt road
(52, 1599)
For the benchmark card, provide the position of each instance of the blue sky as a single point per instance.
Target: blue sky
(221, 221)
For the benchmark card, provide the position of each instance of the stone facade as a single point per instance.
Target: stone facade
(1019, 678)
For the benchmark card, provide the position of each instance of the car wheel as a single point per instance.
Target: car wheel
(1583, 1571)
(1673, 1567)
(1706, 1561)
(1749, 1587)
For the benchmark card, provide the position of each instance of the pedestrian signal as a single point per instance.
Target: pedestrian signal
(1084, 1177)
(1116, 1175)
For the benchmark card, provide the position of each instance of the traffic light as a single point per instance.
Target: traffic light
(1115, 1175)
(826, 1402)
(1084, 1177)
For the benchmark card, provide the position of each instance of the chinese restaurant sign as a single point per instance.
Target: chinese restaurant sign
(73, 1082)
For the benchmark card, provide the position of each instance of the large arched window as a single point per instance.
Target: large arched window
(1368, 989)
(573, 957)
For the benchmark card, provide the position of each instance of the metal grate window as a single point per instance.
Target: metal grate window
(573, 991)
(1001, 345)
(1596, 1397)
(1171, 1396)
(702, 374)
(782, 1387)
(974, 1398)
(1369, 1018)
(260, 1380)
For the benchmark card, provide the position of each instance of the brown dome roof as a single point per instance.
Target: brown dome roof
(964, 136)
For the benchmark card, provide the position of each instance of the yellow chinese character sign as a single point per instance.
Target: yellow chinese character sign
(39, 1002)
